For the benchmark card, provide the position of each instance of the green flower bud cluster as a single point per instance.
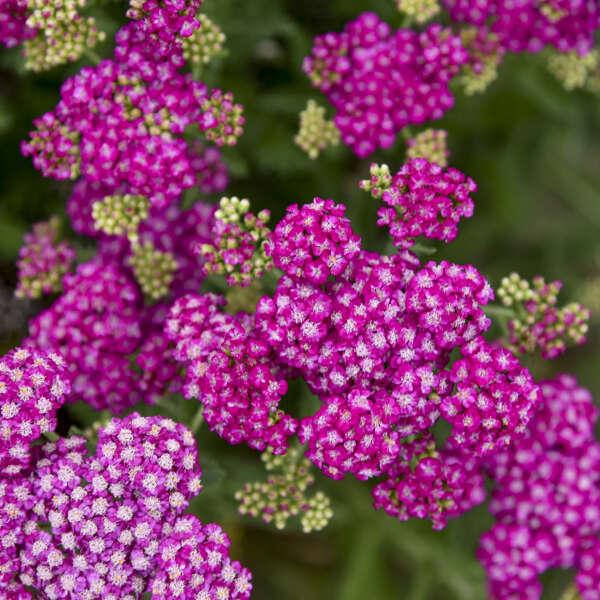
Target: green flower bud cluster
(120, 215)
(238, 252)
(205, 43)
(283, 494)
(575, 71)
(419, 10)
(63, 34)
(537, 321)
(316, 133)
(430, 144)
(486, 55)
(153, 269)
(381, 180)
(228, 117)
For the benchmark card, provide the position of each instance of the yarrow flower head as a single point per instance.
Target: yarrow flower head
(112, 524)
(425, 199)
(121, 122)
(33, 386)
(430, 144)
(284, 495)
(538, 322)
(95, 324)
(13, 22)
(379, 81)
(313, 242)
(494, 400)
(529, 25)
(447, 300)
(43, 260)
(238, 249)
(428, 483)
(547, 497)
(232, 371)
(316, 133)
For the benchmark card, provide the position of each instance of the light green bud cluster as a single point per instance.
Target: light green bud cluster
(538, 322)
(575, 71)
(430, 144)
(419, 10)
(205, 43)
(238, 252)
(120, 215)
(478, 74)
(283, 495)
(153, 269)
(62, 33)
(316, 133)
(381, 180)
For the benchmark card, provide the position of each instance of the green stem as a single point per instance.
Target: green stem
(406, 22)
(196, 71)
(501, 312)
(92, 56)
(198, 420)
(52, 436)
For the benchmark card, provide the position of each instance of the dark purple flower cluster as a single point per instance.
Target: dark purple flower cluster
(379, 81)
(373, 339)
(13, 18)
(95, 325)
(232, 371)
(529, 25)
(547, 497)
(425, 199)
(314, 241)
(33, 386)
(428, 484)
(111, 525)
(121, 122)
(163, 23)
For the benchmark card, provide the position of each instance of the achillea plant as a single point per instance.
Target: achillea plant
(204, 313)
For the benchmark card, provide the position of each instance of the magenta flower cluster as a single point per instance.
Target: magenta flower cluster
(530, 25)
(372, 336)
(95, 325)
(13, 18)
(120, 123)
(425, 199)
(33, 386)
(232, 371)
(379, 81)
(111, 525)
(547, 498)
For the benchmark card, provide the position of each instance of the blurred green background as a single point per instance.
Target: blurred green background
(534, 150)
